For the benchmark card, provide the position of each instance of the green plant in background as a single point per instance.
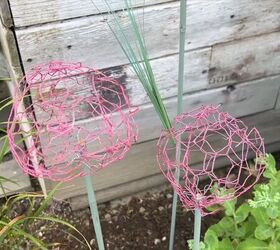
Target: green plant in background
(4, 142)
(15, 230)
(134, 47)
(255, 224)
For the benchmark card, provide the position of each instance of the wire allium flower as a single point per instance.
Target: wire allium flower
(207, 135)
(57, 101)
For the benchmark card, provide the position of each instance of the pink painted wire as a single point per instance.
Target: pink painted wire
(58, 100)
(196, 132)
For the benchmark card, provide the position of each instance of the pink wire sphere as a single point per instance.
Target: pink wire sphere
(208, 136)
(75, 120)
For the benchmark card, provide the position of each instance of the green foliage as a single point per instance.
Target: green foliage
(253, 225)
(15, 230)
(134, 47)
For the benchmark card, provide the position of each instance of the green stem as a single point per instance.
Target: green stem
(181, 77)
(197, 228)
(173, 215)
(94, 213)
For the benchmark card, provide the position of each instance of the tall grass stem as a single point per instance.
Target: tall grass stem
(181, 80)
(94, 212)
(197, 228)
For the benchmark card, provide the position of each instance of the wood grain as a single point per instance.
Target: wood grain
(135, 187)
(12, 171)
(165, 73)
(244, 99)
(244, 60)
(277, 105)
(10, 52)
(5, 14)
(43, 11)
(120, 191)
(3, 67)
(122, 175)
(90, 41)
(225, 64)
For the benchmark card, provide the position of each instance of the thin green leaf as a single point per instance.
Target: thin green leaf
(3, 131)
(252, 244)
(4, 149)
(8, 103)
(242, 213)
(47, 218)
(264, 232)
(211, 239)
(4, 179)
(3, 190)
(5, 100)
(35, 240)
(138, 58)
(4, 78)
(47, 200)
(74, 237)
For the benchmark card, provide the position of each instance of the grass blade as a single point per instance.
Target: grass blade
(138, 57)
(4, 149)
(47, 200)
(56, 220)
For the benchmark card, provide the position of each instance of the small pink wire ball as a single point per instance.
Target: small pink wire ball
(74, 120)
(208, 136)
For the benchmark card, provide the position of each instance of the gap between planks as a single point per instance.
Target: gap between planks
(91, 34)
(155, 182)
(132, 168)
(245, 99)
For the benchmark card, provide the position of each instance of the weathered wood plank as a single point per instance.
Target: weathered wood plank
(228, 63)
(165, 73)
(277, 106)
(27, 12)
(104, 179)
(123, 174)
(10, 52)
(6, 18)
(120, 191)
(231, 63)
(4, 74)
(90, 41)
(156, 181)
(244, 60)
(4, 114)
(12, 171)
(244, 99)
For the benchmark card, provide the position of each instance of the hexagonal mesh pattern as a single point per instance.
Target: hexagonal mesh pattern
(52, 108)
(209, 136)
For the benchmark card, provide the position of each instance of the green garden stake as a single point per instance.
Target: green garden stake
(181, 77)
(204, 186)
(71, 149)
(94, 212)
(197, 228)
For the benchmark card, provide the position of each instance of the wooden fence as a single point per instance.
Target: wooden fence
(232, 58)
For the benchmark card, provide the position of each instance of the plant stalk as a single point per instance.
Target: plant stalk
(181, 80)
(94, 212)
(197, 228)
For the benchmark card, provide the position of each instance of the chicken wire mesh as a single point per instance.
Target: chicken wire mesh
(211, 137)
(75, 120)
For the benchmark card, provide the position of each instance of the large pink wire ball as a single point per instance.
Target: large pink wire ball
(74, 121)
(207, 137)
